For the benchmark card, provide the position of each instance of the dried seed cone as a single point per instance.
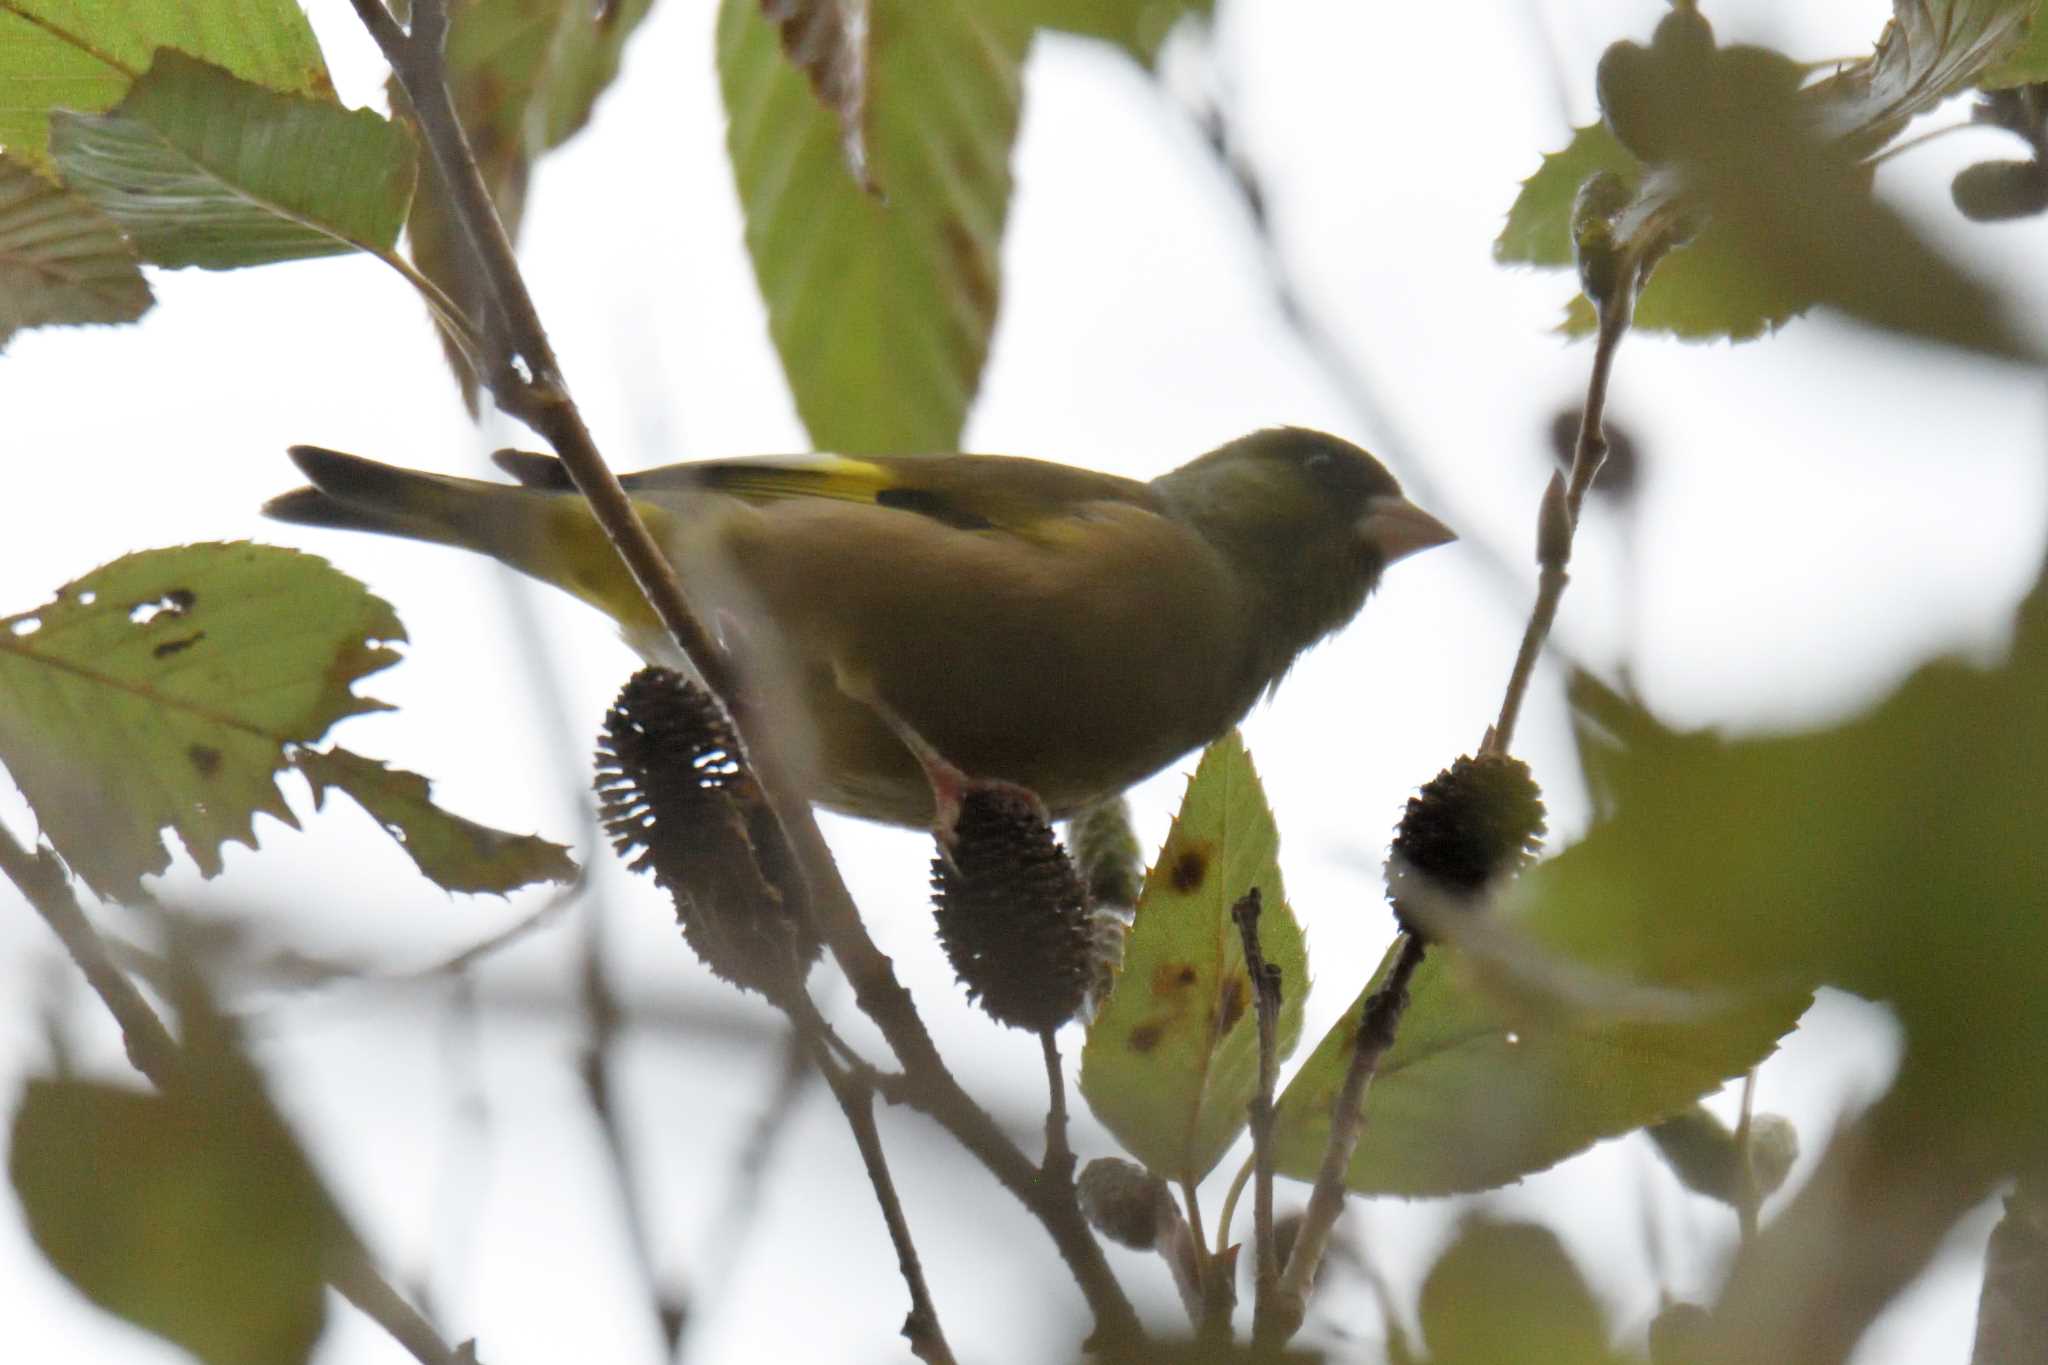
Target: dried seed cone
(1123, 1201)
(1479, 819)
(677, 800)
(1012, 911)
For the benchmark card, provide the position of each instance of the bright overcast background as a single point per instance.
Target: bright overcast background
(1821, 512)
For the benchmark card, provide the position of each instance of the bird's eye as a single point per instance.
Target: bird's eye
(1318, 461)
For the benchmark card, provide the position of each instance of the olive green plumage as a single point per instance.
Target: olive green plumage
(1068, 630)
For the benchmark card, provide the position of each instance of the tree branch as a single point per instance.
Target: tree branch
(1266, 986)
(1377, 1021)
(1558, 520)
(527, 382)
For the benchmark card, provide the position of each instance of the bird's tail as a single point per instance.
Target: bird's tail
(534, 529)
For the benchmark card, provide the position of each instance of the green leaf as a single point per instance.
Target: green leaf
(1710, 289)
(525, 76)
(1775, 174)
(1539, 226)
(84, 54)
(1896, 855)
(61, 259)
(1510, 1292)
(2027, 64)
(1484, 1086)
(1137, 26)
(201, 168)
(881, 307)
(193, 1215)
(1171, 1059)
(454, 853)
(161, 691)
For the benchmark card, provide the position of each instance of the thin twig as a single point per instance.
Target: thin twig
(1558, 520)
(529, 385)
(1266, 986)
(156, 1054)
(855, 1092)
(1377, 1021)
(598, 1068)
(1059, 1157)
(857, 1100)
(1748, 1198)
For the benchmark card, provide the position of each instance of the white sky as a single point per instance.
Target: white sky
(1823, 511)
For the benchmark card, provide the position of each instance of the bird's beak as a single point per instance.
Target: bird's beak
(1398, 528)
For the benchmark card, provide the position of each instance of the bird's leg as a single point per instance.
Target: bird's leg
(949, 783)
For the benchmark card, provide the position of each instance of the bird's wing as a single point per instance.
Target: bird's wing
(968, 492)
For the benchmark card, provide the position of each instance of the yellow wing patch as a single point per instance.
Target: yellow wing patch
(816, 476)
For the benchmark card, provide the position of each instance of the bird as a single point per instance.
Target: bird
(1069, 631)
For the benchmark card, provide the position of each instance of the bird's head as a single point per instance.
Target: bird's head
(1311, 518)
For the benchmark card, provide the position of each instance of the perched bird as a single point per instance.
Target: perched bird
(1066, 630)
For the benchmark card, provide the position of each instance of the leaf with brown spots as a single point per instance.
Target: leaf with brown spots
(114, 738)
(1172, 1057)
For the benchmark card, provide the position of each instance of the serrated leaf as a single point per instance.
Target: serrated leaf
(192, 1214)
(1775, 175)
(1930, 50)
(84, 54)
(525, 76)
(1171, 1059)
(455, 854)
(1895, 855)
(1476, 1092)
(1709, 289)
(1539, 226)
(202, 168)
(881, 307)
(161, 691)
(62, 261)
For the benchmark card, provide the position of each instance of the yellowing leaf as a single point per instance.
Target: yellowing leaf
(160, 692)
(1171, 1060)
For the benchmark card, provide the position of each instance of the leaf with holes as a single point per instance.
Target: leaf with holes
(84, 54)
(202, 168)
(162, 690)
(1171, 1059)
(525, 76)
(453, 853)
(61, 260)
